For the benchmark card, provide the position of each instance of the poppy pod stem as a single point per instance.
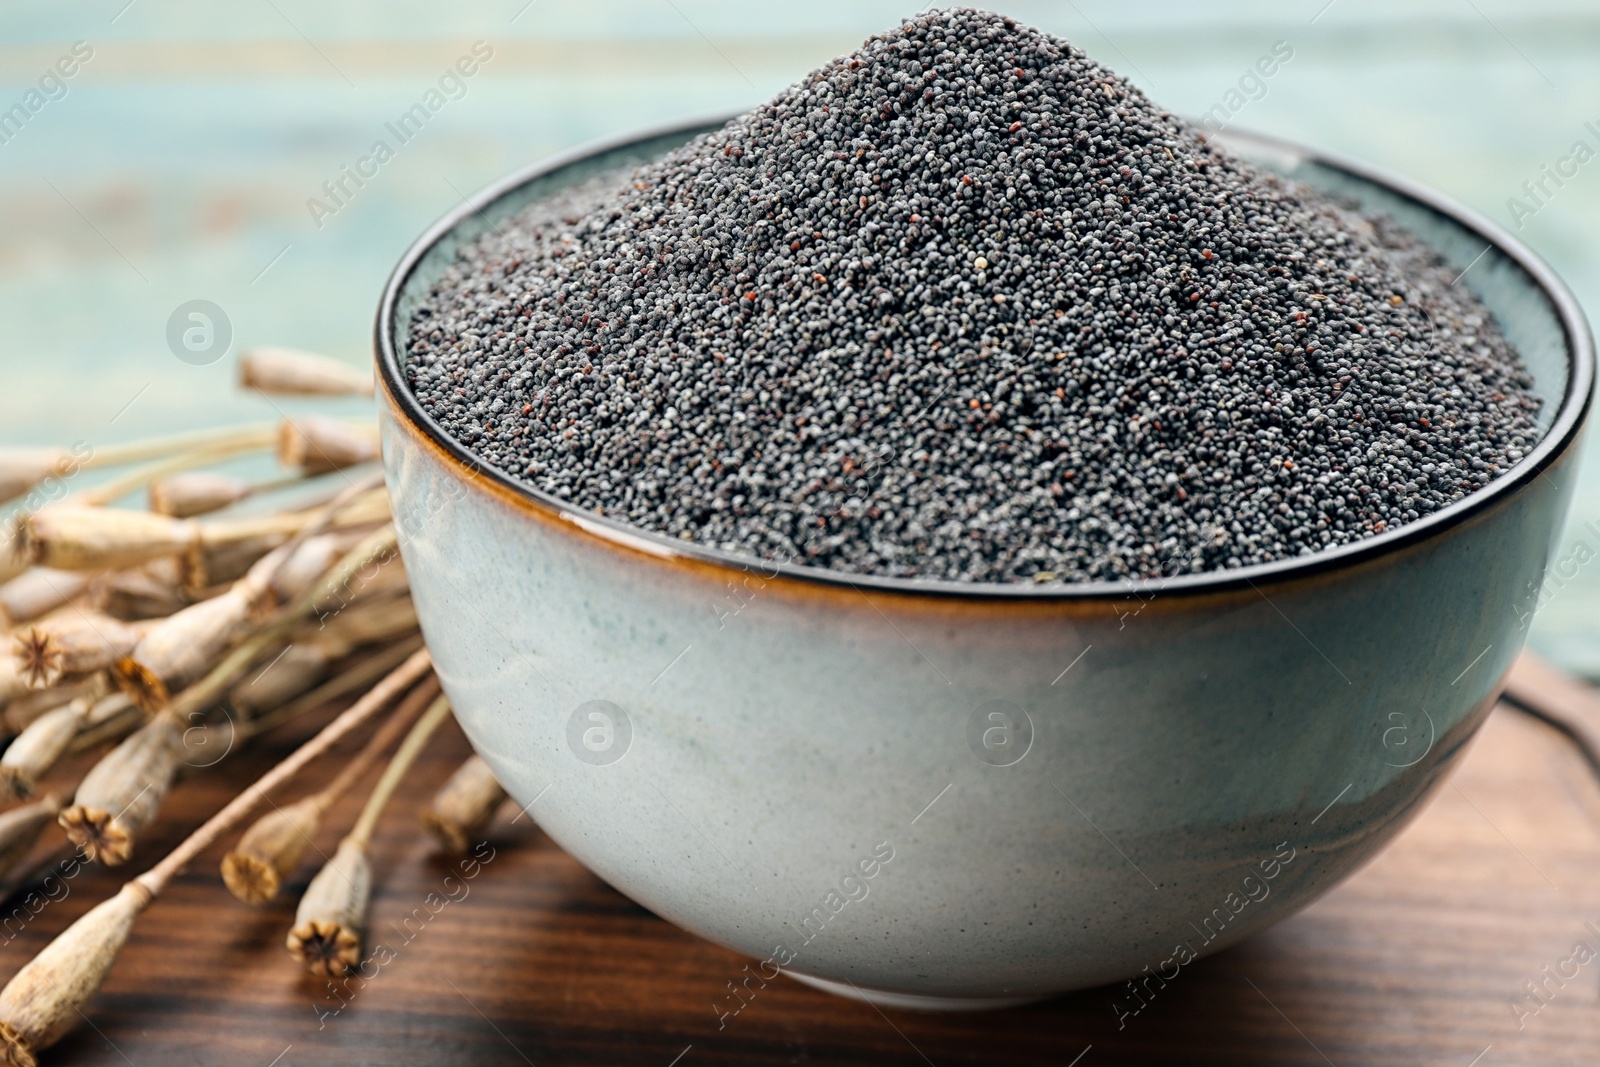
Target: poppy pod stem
(376, 699)
(117, 488)
(21, 469)
(330, 922)
(270, 850)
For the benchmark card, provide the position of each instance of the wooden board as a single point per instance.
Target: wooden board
(1415, 960)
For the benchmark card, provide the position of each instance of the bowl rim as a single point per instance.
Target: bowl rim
(1562, 433)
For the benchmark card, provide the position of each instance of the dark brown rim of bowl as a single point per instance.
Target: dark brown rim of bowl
(1562, 433)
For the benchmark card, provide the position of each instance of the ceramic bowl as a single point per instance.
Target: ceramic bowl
(935, 794)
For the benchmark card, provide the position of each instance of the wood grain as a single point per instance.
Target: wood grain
(1415, 960)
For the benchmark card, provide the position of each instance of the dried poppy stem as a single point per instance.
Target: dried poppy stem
(23, 468)
(43, 1001)
(289, 372)
(332, 916)
(271, 849)
(72, 643)
(117, 488)
(157, 447)
(464, 805)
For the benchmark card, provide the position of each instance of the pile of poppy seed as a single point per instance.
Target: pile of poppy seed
(965, 305)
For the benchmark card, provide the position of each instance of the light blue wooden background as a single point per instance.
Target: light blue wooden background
(179, 162)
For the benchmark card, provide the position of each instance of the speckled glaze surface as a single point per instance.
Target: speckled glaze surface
(963, 796)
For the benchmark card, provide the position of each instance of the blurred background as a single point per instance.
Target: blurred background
(186, 156)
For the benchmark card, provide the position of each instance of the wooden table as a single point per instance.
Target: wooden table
(1415, 960)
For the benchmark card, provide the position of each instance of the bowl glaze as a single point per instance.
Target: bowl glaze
(946, 795)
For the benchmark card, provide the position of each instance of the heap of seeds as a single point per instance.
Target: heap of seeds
(965, 305)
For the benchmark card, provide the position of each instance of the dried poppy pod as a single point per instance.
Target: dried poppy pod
(12, 683)
(37, 592)
(122, 794)
(331, 920)
(91, 539)
(317, 446)
(190, 493)
(15, 558)
(366, 622)
(270, 850)
(463, 806)
(47, 997)
(209, 564)
(313, 651)
(283, 677)
(182, 647)
(23, 468)
(34, 751)
(302, 568)
(20, 829)
(32, 703)
(227, 548)
(74, 642)
(152, 591)
(291, 372)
